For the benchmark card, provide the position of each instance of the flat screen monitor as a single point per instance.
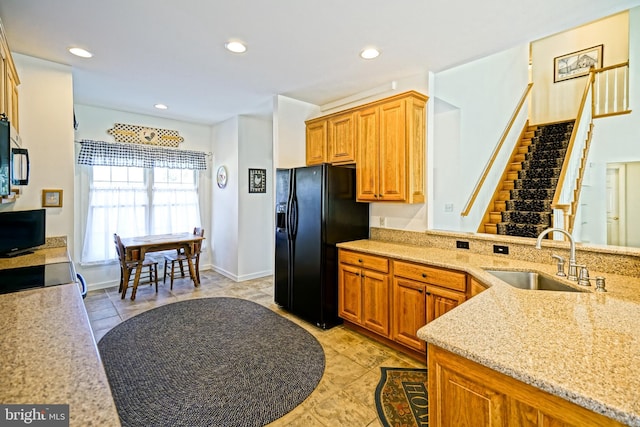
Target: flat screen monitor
(21, 231)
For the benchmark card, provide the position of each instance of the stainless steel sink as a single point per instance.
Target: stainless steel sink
(531, 280)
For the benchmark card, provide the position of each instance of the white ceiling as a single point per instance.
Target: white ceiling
(155, 51)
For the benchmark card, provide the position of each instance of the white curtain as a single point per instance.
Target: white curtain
(118, 209)
(174, 210)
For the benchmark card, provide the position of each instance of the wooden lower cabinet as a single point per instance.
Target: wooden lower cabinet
(363, 291)
(465, 393)
(409, 312)
(421, 294)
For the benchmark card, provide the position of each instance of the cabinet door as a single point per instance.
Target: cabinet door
(349, 293)
(464, 402)
(367, 160)
(393, 152)
(316, 142)
(375, 308)
(409, 312)
(440, 300)
(341, 139)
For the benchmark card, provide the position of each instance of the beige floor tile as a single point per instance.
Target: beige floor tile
(342, 410)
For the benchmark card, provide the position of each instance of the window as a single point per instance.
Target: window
(134, 201)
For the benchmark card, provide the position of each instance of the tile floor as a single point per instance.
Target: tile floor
(345, 395)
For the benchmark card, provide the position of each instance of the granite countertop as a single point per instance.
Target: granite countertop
(48, 354)
(581, 346)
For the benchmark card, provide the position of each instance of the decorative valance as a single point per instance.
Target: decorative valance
(101, 153)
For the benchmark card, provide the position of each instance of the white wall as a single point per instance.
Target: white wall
(552, 102)
(225, 204)
(256, 220)
(289, 131)
(46, 128)
(242, 222)
(93, 123)
(474, 103)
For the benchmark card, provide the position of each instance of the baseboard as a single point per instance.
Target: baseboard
(244, 277)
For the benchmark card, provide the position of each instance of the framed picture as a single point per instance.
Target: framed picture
(576, 64)
(257, 180)
(51, 198)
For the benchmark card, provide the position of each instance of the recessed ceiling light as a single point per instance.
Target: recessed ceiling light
(235, 47)
(78, 51)
(370, 53)
(161, 106)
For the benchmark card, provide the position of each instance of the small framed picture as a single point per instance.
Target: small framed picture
(257, 180)
(51, 198)
(577, 64)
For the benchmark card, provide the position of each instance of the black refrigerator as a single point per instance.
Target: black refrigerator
(315, 209)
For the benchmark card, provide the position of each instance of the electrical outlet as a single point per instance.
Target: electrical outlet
(383, 221)
(498, 249)
(448, 207)
(461, 244)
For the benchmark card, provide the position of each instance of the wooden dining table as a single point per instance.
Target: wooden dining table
(136, 248)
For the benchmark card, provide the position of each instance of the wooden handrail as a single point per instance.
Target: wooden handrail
(496, 150)
(576, 125)
(611, 67)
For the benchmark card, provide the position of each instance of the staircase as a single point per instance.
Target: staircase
(521, 205)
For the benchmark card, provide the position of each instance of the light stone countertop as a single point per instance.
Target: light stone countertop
(581, 346)
(48, 354)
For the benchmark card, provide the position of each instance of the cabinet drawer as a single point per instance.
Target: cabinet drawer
(370, 262)
(435, 276)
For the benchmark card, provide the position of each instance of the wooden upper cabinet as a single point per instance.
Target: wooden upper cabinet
(9, 82)
(390, 145)
(367, 159)
(386, 141)
(341, 139)
(316, 142)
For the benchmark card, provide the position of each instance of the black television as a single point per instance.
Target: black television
(21, 231)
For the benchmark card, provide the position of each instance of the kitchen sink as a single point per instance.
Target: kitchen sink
(531, 280)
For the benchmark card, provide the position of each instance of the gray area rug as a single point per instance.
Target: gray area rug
(209, 362)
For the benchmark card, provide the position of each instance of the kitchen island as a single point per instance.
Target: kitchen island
(583, 347)
(48, 354)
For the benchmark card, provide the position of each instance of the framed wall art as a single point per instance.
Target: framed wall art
(51, 198)
(576, 64)
(257, 180)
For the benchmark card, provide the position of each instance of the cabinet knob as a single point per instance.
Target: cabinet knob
(424, 275)
(420, 290)
(357, 274)
(428, 293)
(359, 260)
(375, 195)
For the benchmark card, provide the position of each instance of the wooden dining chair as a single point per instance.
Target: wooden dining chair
(180, 258)
(130, 268)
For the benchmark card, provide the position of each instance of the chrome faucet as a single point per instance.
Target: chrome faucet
(573, 267)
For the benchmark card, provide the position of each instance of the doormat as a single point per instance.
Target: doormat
(401, 397)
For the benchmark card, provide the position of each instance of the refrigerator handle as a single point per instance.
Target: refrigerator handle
(294, 218)
(290, 200)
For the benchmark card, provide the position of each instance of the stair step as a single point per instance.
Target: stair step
(519, 158)
(508, 185)
(529, 134)
(500, 205)
(495, 217)
(512, 175)
(526, 142)
(491, 228)
(523, 150)
(515, 167)
(504, 195)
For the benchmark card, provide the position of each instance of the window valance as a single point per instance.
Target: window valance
(102, 153)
